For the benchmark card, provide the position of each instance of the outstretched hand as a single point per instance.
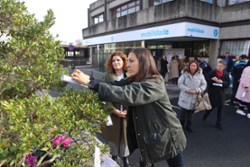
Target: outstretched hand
(80, 77)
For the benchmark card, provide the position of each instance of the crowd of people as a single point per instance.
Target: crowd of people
(133, 87)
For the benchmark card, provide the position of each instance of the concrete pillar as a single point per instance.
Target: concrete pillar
(213, 53)
(144, 4)
(108, 13)
(90, 55)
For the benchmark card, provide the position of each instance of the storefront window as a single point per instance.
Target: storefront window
(128, 8)
(157, 2)
(201, 48)
(231, 2)
(235, 47)
(98, 19)
(208, 1)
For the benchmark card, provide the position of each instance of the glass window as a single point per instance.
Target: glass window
(128, 8)
(208, 1)
(131, 10)
(131, 4)
(101, 18)
(70, 53)
(98, 19)
(231, 2)
(124, 7)
(124, 13)
(163, 1)
(137, 8)
(235, 47)
(118, 15)
(201, 48)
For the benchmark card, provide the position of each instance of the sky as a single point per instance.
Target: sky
(71, 16)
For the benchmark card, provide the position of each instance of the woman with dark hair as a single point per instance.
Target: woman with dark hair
(164, 68)
(116, 65)
(191, 82)
(217, 80)
(153, 127)
(243, 94)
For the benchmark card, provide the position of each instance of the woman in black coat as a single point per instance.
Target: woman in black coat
(164, 68)
(217, 81)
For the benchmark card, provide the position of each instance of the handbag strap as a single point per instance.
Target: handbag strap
(202, 92)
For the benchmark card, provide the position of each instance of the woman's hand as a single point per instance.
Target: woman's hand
(192, 91)
(80, 77)
(215, 79)
(220, 81)
(121, 114)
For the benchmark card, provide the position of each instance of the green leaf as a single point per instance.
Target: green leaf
(45, 149)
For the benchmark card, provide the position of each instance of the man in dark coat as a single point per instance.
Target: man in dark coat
(204, 66)
(217, 81)
(236, 74)
(229, 62)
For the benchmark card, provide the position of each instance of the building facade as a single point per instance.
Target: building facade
(182, 27)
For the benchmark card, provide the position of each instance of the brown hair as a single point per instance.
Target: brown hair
(147, 66)
(108, 64)
(191, 62)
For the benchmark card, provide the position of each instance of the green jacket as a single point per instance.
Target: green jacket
(153, 126)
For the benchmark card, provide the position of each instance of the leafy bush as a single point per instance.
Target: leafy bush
(28, 123)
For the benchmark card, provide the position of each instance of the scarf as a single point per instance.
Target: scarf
(219, 74)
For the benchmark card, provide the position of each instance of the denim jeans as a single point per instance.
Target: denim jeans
(176, 161)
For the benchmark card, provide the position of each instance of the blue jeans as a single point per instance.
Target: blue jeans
(177, 161)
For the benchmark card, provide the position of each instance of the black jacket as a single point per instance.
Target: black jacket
(237, 70)
(217, 94)
(164, 68)
(205, 68)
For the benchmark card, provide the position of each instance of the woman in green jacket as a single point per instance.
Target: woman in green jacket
(116, 135)
(153, 126)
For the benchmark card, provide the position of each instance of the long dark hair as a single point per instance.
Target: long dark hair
(147, 67)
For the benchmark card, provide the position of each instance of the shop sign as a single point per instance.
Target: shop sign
(184, 29)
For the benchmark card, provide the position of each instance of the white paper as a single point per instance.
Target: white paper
(108, 162)
(243, 95)
(109, 123)
(217, 84)
(69, 79)
(97, 157)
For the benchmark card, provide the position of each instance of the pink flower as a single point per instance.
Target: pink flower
(66, 142)
(31, 160)
(27, 155)
(60, 139)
